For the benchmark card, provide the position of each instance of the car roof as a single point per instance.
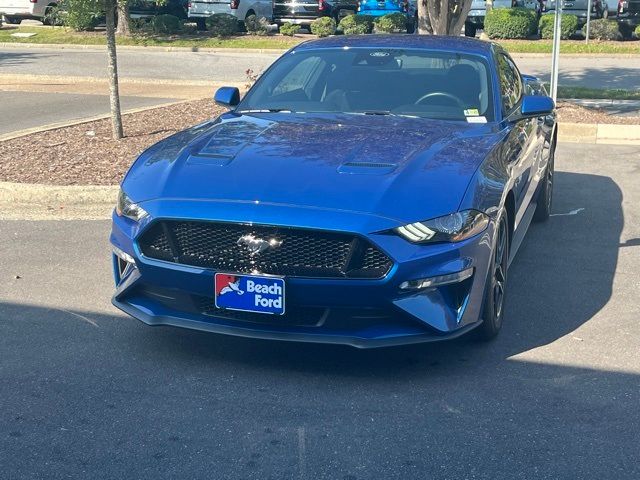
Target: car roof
(427, 42)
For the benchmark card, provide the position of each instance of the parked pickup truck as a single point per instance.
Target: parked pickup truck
(475, 20)
(579, 8)
(628, 16)
(303, 12)
(15, 11)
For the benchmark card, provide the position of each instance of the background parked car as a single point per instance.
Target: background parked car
(628, 16)
(378, 8)
(199, 10)
(306, 11)
(475, 20)
(17, 10)
(579, 8)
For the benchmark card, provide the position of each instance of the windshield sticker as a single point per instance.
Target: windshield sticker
(476, 119)
(472, 112)
(379, 54)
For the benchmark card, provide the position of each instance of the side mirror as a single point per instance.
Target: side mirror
(227, 96)
(536, 106)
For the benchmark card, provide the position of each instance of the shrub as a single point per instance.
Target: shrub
(391, 23)
(289, 29)
(356, 24)
(80, 15)
(603, 30)
(568, 26)
(222, 24)
(510, 23)
(637, 31)
(323, 26)
(256, 26)
(165, 24)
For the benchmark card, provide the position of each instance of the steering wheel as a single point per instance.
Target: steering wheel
(445, 95)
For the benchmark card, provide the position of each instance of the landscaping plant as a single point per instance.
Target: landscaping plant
(356, 24)
(222, 24)
(391, 23)
(603, 29)
(256, 25)
(166, 24)
(568, 26)
(323, 26)
(289, 29)
(510, 23)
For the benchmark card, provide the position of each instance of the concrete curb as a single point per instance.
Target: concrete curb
(69, 46)
(55, 126)
(604, 134)
(276, 51)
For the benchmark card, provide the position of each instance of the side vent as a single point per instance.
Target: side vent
(367, 168)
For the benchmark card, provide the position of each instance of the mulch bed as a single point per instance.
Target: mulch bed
(86, 154)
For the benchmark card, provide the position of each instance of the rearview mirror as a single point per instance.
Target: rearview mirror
(227, 96)
(536, 106)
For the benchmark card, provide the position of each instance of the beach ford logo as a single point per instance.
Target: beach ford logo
(257, 245)
(250, 293)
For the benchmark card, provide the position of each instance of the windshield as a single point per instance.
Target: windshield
(376, 81)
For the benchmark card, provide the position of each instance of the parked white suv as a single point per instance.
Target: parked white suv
(199, 10)
(15, 11)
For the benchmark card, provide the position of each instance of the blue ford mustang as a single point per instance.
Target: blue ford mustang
(367, 190)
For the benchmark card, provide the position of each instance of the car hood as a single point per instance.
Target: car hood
(399, 168)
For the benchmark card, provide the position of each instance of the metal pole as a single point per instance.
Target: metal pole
(555, 55)
(589, 7)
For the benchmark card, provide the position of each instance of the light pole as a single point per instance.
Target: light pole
(555, 54)
(589, 7)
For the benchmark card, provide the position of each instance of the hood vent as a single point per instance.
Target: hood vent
(367, 168)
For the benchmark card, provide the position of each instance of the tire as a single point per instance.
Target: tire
(494, 295)
(545, 196)
(201, 24)
(470, 30)
(412, 25)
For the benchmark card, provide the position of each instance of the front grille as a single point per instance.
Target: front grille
(301, 253)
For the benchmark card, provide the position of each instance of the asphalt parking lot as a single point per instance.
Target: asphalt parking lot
(86, 392)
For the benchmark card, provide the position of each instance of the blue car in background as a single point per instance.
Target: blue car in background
(379, 8)
(327, 207)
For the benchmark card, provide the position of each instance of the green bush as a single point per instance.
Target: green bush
(603, 30)
(289, 29)
(391, 23)
(222, 24)
(637, 31)
(80, 15)
(166, 24)
(568, 26)
(323, 26)
(256, 26)
(356, 24)
(510, 23)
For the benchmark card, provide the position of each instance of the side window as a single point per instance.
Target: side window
(510, 83)
(299, 76)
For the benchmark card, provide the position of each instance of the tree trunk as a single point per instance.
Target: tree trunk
(442, 17)
(124, 26)
(114, 94)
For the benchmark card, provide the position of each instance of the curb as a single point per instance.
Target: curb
(71, 46)
(55, 126)
(603, 134)
(276, 51)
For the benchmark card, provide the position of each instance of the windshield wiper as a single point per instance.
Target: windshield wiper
(376, 112)
(266, 110)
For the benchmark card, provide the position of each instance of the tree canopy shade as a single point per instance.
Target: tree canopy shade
(442, 17)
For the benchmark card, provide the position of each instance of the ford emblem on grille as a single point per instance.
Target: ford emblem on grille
(258, 245)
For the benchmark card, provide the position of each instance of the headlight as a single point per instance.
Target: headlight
(450, 228)
(126, 208)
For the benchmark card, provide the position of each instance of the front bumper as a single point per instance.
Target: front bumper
(358, 312)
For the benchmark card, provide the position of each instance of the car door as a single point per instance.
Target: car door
(521, 143)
